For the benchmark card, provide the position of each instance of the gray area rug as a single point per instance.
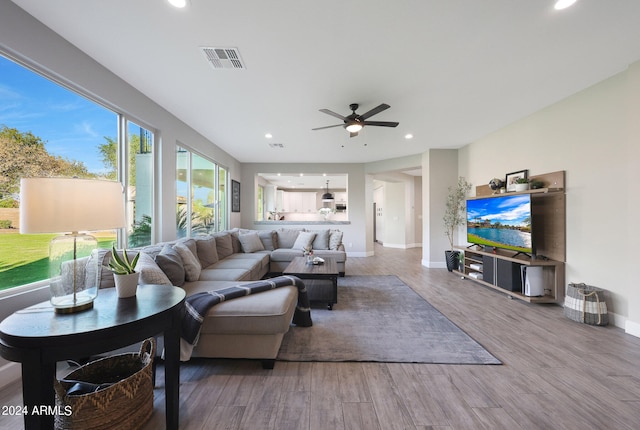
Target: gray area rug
(381, 319)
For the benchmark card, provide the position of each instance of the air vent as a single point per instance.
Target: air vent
(277, 145)
(223, 58)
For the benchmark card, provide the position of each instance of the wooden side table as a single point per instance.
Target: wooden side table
(37, 337)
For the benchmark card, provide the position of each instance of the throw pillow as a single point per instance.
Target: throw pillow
(304, 240)
(335, 240)
(207, 250)
(190, 262)
(223, 245)
(322, 239)
(269, 239)
(150, 272)
(171, 264)
(250, 242)
(287, 237)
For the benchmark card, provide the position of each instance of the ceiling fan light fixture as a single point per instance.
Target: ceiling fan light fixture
(354, 127)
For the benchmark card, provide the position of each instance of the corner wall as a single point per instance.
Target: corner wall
(593, 136)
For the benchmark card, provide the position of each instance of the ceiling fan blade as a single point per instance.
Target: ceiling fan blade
(332, 113)
(382, 123)
(374, 111)
(328, 126)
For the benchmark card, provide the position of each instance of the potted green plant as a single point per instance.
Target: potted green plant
(454, 217)
(522, 184)
(124, 274)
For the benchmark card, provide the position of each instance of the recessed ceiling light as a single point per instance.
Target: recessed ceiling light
(408, 136)
(268, 135)
(178, 3)
(563, 4)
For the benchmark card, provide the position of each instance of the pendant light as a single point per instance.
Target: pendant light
(327, 197)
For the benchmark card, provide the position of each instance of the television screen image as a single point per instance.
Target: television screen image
(501, 222)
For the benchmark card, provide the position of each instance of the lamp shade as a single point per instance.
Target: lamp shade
(57, 205)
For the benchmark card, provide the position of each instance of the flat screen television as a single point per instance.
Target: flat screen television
(502, 221)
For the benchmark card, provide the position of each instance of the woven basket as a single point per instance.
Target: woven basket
(126, 404)
(586, 304)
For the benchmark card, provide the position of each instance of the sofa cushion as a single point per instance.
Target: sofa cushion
(304, 240)
(250, 242)
(150, 272)
(224, 274)
(321, 240)
(224, 245)
(207, 250)
(287, 237)
(190, 262)
(171, 264)
(285, 254)
(335, 239)
(269, 239)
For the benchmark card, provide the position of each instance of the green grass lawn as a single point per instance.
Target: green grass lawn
(24, 258)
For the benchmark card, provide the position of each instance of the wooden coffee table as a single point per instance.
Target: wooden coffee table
(325, 271)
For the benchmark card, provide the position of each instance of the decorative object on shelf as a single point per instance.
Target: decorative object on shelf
(495, 184)
(55, 205)
(124, 274)
(536, 184)
(511, 178)
(586, 304)
(522, 184)
(454, 216)
(235, 196)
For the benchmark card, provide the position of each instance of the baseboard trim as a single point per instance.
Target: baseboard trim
(434, 264)
(632, 328)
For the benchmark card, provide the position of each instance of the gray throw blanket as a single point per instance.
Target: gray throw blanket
(199, 304)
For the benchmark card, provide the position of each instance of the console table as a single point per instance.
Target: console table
(38, 337)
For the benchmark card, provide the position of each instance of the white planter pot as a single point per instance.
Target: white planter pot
(126, 285)
(522, 187)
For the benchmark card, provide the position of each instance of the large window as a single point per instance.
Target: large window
(201, 195)
(139, 182)
(48, 130)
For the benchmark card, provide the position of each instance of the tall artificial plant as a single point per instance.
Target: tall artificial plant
(454, 215)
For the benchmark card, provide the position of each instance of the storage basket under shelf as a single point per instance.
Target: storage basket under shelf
(126, 404)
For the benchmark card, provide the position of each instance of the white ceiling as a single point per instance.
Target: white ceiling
(452, 70)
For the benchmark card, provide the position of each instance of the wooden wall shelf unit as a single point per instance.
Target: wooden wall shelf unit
(500, 269)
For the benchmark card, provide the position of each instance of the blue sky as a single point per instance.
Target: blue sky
(509, 210)
(71, 125)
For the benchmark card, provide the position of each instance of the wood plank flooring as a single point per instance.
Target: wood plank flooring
(557, 374)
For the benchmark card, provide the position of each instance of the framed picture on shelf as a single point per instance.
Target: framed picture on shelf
(512, 177)
(235, 196)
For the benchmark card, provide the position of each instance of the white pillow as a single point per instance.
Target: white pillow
(192, 266)
(150, 272)
(250, 242)
(304, 240)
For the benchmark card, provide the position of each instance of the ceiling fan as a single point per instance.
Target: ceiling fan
(354, 122)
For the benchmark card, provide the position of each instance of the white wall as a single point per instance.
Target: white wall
(439, 172)
(593, 136)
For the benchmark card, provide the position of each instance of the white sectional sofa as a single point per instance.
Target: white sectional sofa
(247, 327)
